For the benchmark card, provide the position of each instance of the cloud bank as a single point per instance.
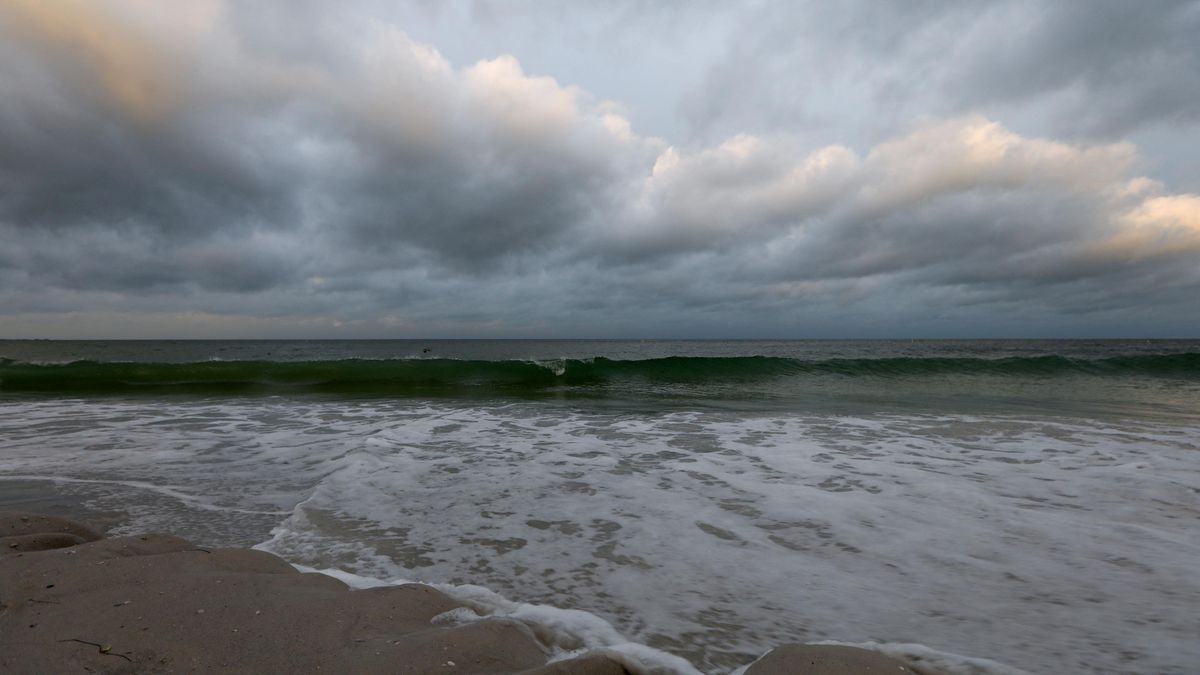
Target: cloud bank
(228, 169)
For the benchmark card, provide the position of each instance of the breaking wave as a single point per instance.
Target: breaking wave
(450, 377)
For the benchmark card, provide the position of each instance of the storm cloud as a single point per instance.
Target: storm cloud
(281, 169)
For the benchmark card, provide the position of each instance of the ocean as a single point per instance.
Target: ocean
(994, 506)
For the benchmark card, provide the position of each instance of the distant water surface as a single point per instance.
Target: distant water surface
(1149, 378)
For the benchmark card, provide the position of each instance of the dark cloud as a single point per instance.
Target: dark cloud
(1100, 69)
(245, 166)
(1119, 65)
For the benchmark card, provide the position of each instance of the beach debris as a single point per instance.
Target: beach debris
(103, 649)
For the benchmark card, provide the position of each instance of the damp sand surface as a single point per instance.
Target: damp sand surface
(74, 600)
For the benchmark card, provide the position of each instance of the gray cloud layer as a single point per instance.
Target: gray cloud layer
(256, 169)
(1101, 69)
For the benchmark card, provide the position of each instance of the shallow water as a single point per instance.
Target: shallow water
(1048, 544)
(1032, 502)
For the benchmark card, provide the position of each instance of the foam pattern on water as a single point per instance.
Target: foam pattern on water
(1049, 545)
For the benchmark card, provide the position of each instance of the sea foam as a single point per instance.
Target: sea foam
(1052, 544)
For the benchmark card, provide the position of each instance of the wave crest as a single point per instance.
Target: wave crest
(419, 377)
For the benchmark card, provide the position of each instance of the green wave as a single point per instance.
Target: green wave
(402, 377)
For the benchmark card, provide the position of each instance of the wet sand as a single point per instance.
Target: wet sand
(71, 600)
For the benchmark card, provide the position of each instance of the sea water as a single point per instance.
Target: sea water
(990, 506)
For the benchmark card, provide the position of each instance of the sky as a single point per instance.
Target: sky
(610, 169)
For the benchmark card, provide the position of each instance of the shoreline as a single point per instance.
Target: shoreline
(72, 599)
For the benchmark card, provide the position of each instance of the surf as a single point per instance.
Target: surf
(437, 376)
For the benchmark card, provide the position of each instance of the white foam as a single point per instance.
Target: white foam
(352, 580)
(714, 535)
(191, 500)
(572, 633)
(567, 633)
(942, 662)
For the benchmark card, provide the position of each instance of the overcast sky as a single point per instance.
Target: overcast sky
(214, 168)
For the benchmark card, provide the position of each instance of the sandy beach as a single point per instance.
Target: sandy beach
(72, 600)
